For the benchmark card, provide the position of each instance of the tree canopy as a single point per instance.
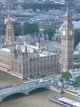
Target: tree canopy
(17, 28)
(77, 37)
(77, 65)
(30, 28)
(42, 6)
(77, 82)
(50, 32)
(27, 28)
(66, 75)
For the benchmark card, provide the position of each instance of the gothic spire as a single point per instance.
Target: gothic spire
(9, 33)
(67, 15)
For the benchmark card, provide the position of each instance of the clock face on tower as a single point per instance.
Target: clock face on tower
(63, 32)
(71, 33)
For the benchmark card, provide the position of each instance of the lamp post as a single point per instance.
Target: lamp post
(22, 29)
(61, 86)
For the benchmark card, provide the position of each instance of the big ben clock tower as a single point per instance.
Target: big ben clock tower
(67, 43)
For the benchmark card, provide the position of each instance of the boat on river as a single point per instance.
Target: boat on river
(64, 101)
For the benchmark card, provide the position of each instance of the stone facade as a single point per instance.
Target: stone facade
(9, 33)
(67, 43)
(25, 65)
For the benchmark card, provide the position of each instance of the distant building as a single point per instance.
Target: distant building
(10, 4)
(59, 1)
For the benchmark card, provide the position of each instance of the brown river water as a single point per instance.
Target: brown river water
(35, 99)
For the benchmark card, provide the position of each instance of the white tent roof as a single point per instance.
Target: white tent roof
(76, 104)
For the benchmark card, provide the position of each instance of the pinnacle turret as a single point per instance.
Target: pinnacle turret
(9, 34)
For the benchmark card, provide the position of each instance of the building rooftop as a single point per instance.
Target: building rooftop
(46, 53)
(5, 49)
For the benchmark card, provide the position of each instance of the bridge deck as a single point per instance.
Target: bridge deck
(24, 88)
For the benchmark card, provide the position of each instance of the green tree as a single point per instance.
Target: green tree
(50, 32)
(77, 65)
(77, 37)
(30, 28)
(66, 75)
(42, 6)
(17, 28)
(77, 82)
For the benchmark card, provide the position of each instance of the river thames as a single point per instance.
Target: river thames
(35, 99)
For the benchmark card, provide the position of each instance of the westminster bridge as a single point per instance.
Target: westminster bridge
(25, 88)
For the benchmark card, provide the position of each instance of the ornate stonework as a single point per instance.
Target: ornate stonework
(9, 33)
(67, 43)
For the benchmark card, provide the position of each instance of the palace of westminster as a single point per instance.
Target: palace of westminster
(23, 60)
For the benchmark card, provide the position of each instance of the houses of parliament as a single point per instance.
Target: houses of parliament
(23, 60)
